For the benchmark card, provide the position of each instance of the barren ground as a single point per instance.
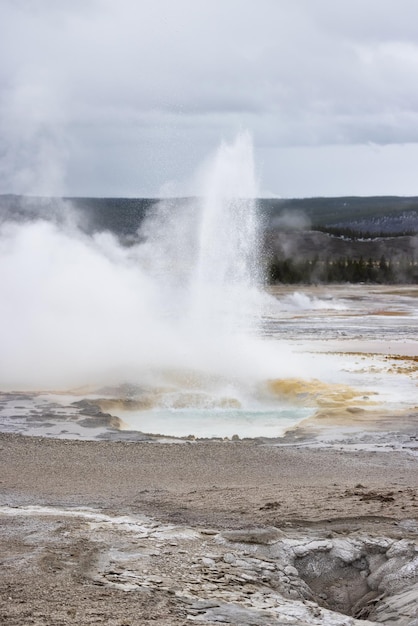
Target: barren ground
(61, 567)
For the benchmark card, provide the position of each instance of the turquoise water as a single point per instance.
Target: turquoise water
(215, 422)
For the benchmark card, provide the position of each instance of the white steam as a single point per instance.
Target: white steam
(72, 308)
(292, 220)
(34, 140)
(84, 310)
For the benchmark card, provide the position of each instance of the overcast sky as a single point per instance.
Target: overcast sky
(126, 97)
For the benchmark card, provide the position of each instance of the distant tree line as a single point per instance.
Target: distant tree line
(353, 233)
(342, 270)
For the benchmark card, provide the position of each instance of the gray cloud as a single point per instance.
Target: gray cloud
(106, 98)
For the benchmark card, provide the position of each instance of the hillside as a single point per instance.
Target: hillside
(308, 240)
(376, 214)
(394, 215)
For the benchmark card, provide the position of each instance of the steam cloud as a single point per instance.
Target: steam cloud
(85, 310)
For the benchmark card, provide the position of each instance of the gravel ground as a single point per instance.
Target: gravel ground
(69, 558)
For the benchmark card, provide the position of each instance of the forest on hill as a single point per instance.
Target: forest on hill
(307, 240)
(355, 240)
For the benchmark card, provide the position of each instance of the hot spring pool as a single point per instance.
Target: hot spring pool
(215, 423)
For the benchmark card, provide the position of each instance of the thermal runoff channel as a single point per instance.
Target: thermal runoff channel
(172, 320)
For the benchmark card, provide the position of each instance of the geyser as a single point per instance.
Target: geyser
(226, 277)
(204, 253)
(174, 315)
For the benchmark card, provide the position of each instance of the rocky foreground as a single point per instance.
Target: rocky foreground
(236, 533)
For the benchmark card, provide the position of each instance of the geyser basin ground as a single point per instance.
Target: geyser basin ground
(345, 357)
(320, 528)
(207, 532)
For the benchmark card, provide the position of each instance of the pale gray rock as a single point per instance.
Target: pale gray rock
(230, 558)
(304, 549)
(404, 547)
(289, 570)
(239, 616)
(399, 610)
(346, 550)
